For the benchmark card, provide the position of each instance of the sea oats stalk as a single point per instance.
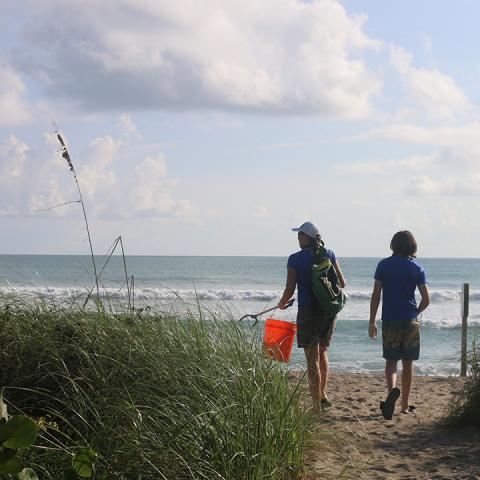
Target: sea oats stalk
(66, 156)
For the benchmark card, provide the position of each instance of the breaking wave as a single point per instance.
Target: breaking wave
(436, 296)
(160, 294)
(145, 294)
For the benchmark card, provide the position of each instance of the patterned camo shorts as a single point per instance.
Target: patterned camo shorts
(313, 328)
(401, 339)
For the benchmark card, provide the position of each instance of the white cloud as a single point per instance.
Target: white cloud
(385, 167)
(436, 92)
(150, 190)
(111, 185)
(424, 185)
(13, 106)
(452, 168)
(128, 128)
(458, 186)
(128, 191)
(96, 171)
(458, 143)
(26, 183)
(426, 42)
(13, 154)
(279, 56)
(261, 211)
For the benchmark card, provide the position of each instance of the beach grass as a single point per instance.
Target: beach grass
(156, 396)
(464, 407)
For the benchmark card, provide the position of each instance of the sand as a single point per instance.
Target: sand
(354, 441)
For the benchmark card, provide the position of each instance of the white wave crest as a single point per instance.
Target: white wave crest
(353, 295)
(145, 294)
(152, 294)
(436, 296)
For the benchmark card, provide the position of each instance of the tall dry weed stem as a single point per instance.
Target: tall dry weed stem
(66, 156)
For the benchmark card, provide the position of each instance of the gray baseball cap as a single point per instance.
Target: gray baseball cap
(309, 228)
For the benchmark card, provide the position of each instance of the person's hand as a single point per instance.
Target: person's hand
(372, 331)
(282, 304)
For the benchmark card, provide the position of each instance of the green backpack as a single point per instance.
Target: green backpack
(325, 284)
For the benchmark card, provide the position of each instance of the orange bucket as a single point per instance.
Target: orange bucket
(278, 339)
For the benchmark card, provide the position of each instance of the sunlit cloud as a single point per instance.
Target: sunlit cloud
(128, 128)
(14, 109)
(457, 186)
(386, 167)
(431, 89)
(426, 41)
(33, 182)
(261, 211)
(275, 56)
(451, 144)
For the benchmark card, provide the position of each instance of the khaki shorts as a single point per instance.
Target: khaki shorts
(313, 328)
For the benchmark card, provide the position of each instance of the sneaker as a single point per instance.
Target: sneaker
(325, 403)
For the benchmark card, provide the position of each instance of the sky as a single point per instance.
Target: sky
(213, 127)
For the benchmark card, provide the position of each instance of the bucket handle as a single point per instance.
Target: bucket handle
(256, 315)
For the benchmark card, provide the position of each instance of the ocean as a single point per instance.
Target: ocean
(235, 286)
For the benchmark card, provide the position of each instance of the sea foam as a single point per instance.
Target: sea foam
(223, 294)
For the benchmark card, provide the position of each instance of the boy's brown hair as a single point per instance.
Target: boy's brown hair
(403, 243)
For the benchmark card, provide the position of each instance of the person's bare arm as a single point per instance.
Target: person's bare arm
(289, 288)
(339, 272)
(425, 301)
(374, 303)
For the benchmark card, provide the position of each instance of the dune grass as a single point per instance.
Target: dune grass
(464, 408)
(156, 396)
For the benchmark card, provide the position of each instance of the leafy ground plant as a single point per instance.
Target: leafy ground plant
(17, 433)
(154, 396)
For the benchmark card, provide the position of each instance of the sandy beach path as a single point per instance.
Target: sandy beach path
(361, 444)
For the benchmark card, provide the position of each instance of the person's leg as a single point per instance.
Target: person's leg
(391, 374)
(388, 406)
(323, 371)
(312, 354)
(407, 375)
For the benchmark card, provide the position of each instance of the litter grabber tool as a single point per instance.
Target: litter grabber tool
(256, 315)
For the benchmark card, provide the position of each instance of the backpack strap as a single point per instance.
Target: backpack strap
(319, 254)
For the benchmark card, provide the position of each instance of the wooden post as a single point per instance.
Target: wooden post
(465, 299)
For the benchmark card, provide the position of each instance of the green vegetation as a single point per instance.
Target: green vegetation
(16, 434)
(464, 408)
(150, 396)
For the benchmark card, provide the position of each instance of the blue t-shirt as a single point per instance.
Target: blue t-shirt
(400, 276)
(302, 262)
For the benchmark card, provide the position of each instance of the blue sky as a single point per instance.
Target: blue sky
(212, 128)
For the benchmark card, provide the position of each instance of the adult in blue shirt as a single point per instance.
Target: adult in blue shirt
(398, 276)
(314, 329)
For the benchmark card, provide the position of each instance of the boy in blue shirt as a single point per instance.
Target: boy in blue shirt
(398, 276)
